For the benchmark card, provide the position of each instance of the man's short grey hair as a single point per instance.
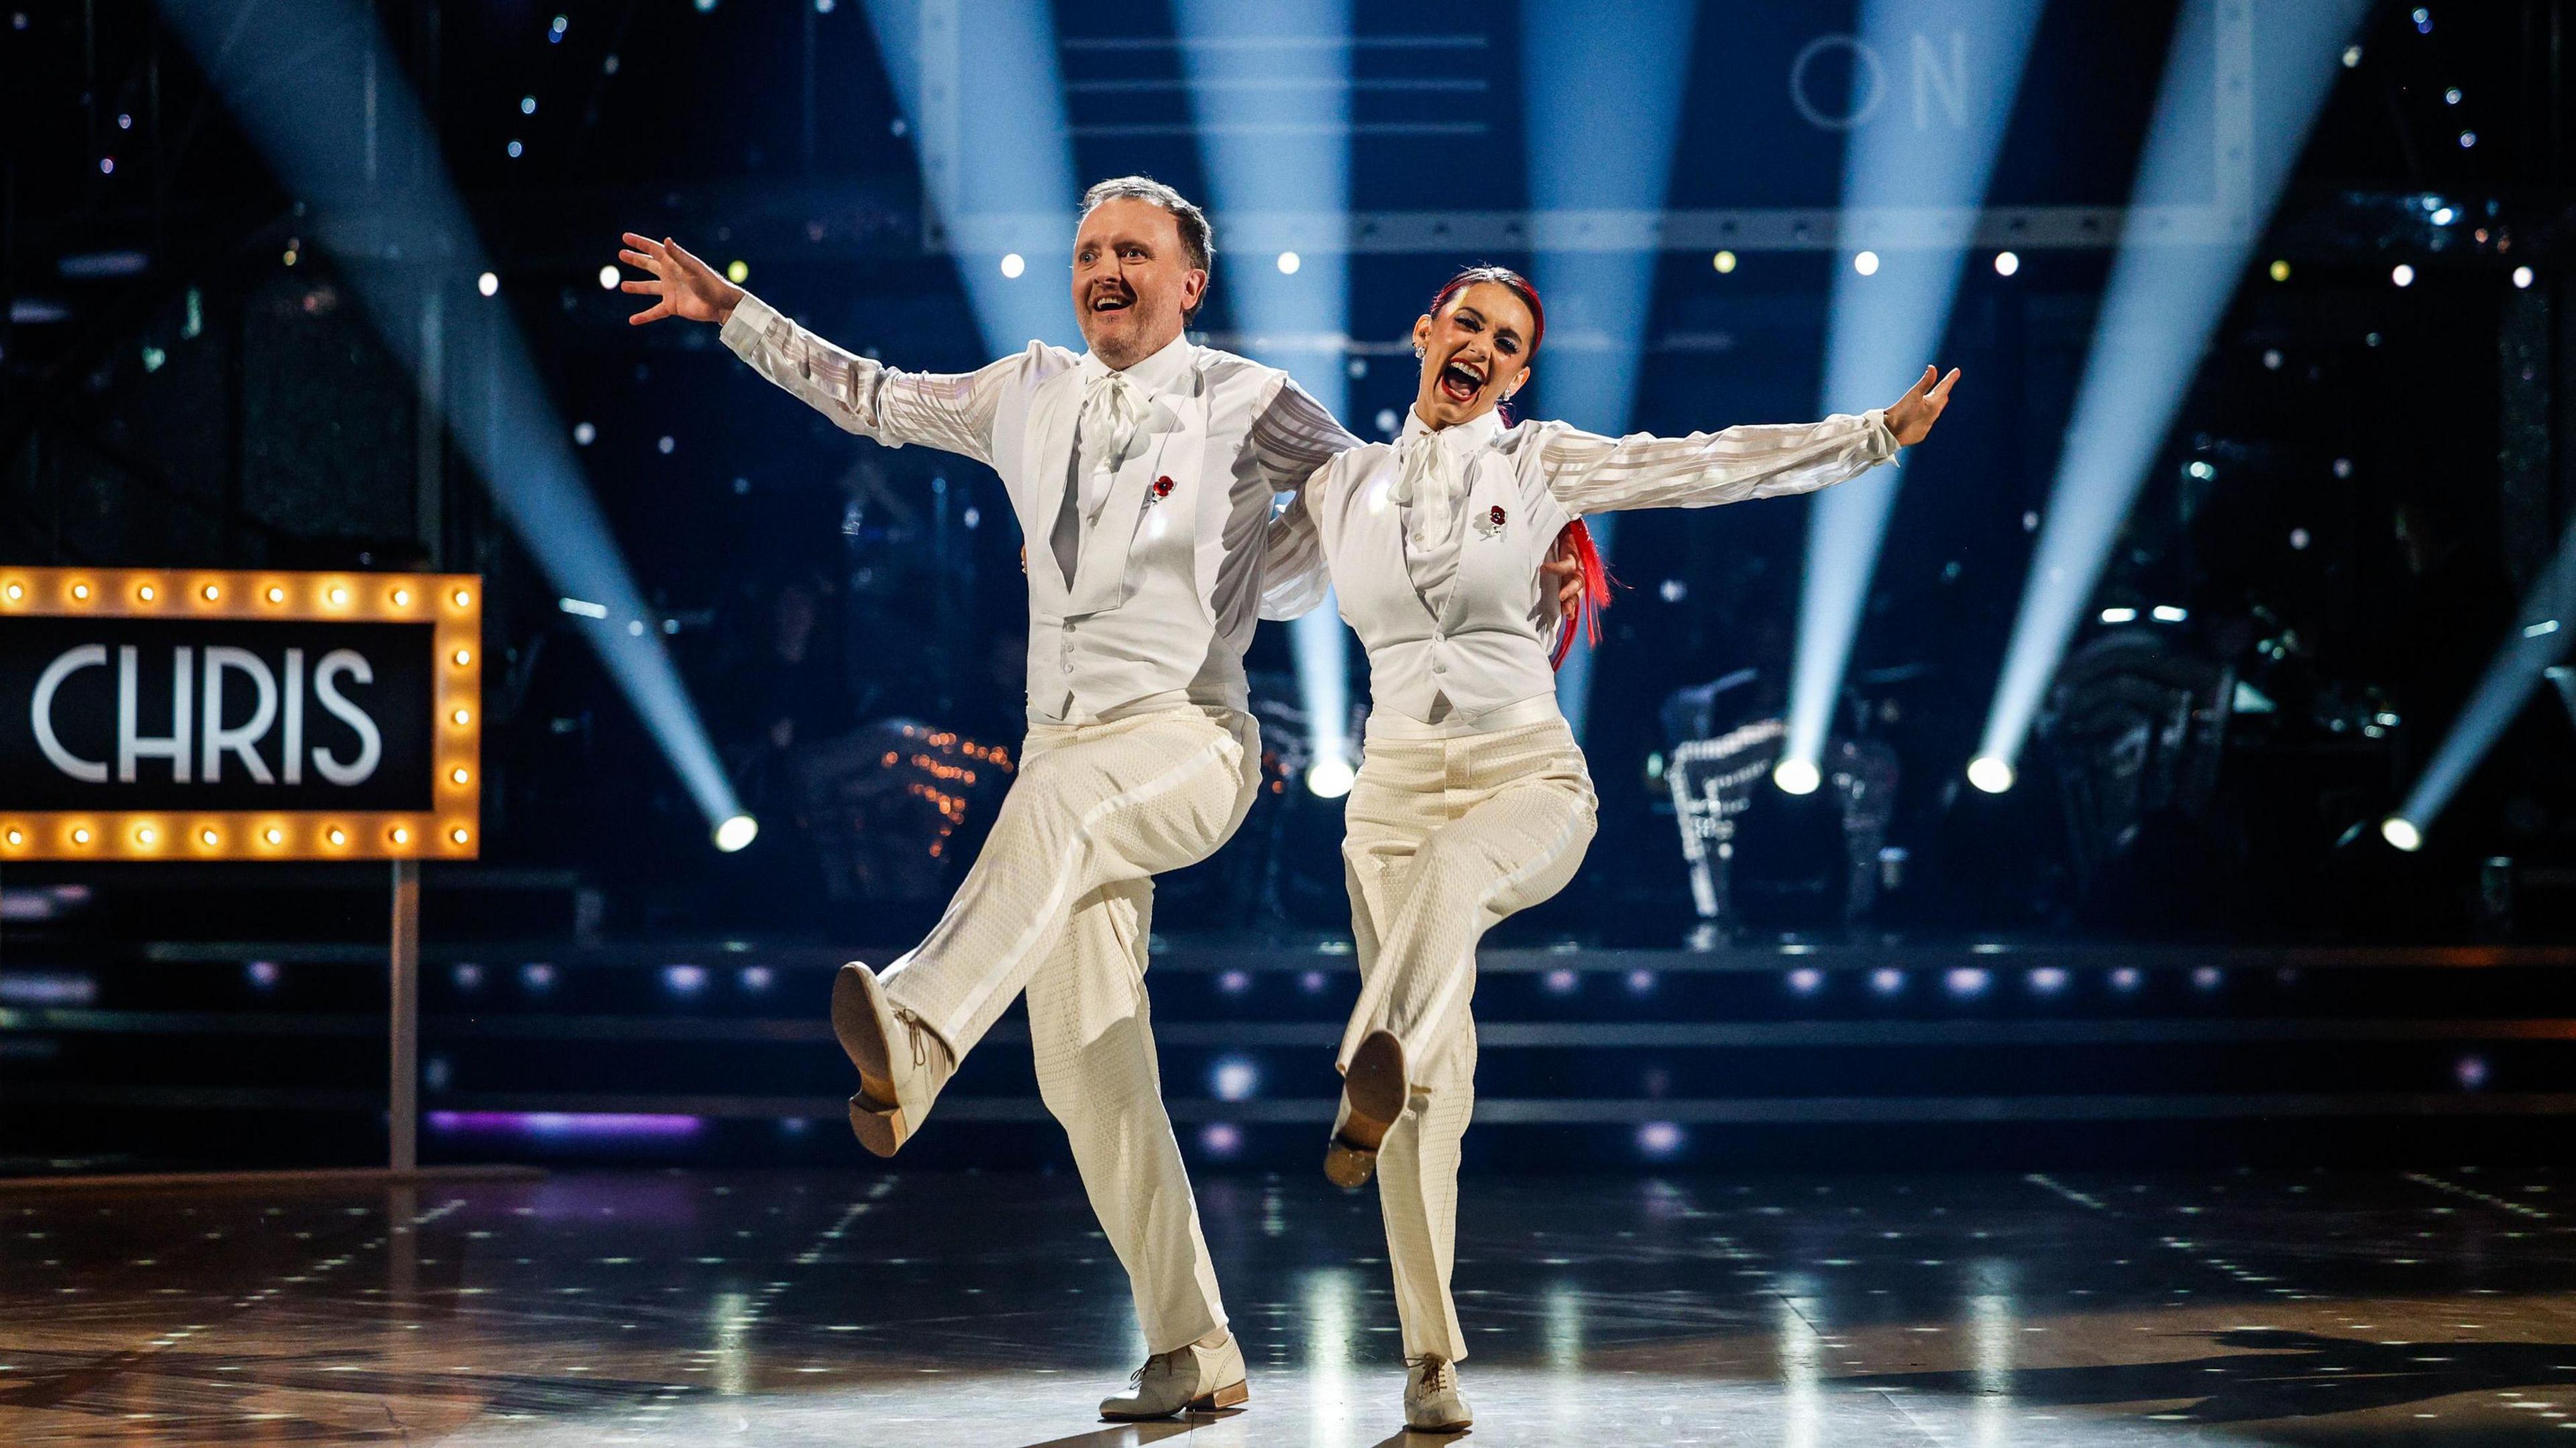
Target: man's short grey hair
(1198, 241)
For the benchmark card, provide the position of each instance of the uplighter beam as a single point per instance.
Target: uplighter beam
(1273, 126)
(386, 237)
(2542, 632)
(1602, 103)
(2164, 301)
(984, 95)
(1930, 159)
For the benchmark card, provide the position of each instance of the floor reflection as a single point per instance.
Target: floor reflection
(929, 1311)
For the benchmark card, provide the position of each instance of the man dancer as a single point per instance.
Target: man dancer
(1146, 469)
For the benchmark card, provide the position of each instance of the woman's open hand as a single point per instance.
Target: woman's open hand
(1912, 417)
(686, 286)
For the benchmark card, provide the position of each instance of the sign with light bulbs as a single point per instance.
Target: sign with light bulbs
(174, 714)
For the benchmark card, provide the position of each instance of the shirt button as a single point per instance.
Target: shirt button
(1439, 668)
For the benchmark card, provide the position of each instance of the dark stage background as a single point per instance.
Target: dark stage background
(2183, 932)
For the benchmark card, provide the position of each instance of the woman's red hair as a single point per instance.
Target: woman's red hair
(1585, 617)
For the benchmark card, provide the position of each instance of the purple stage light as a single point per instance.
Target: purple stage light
(565, 1125)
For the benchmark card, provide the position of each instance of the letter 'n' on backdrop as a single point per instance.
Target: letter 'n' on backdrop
(178, 714)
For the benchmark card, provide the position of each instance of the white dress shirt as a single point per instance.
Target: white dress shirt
(1170, 545)
(1434, 541)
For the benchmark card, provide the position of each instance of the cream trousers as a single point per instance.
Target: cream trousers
(1446, 838)
(1059, 904)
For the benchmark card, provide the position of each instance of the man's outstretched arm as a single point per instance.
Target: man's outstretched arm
(950, 411)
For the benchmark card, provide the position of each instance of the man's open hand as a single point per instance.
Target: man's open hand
(686, 286)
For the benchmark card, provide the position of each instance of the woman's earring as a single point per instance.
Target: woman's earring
(1419, 354)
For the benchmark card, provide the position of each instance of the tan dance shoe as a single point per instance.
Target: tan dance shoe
(902, 1064)
(1201, 1377)
(1431, 1400)
(1373, 1096)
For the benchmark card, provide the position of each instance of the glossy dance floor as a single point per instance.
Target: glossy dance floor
(919, 1309)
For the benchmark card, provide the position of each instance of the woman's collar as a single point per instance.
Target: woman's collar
(1474, 432)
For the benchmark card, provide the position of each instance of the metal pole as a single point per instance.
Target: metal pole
(405, 1015)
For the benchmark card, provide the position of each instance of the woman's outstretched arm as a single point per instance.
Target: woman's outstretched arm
(1589, 473)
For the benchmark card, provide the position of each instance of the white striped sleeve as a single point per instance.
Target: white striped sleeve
(951, 411)
(1292, 440)
(1589, 473)
(1292, 435)
(1295, 576)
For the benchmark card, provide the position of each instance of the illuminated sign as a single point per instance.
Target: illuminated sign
(175, 714)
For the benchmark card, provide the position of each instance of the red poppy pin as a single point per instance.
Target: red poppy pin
(1162, 488)
(1497, 515)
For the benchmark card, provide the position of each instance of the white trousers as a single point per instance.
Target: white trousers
(1059, 904)
(1445, 839)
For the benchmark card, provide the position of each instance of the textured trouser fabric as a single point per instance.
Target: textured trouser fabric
(1445, 838)
(1059, 904)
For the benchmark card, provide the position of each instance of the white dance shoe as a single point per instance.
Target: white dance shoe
(1199, 1377)
(1431, 1400)
(902, 1064)
(1373, 1096)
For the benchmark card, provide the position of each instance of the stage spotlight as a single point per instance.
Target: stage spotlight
(2522, 278)
(1601, 103)
(1882, 329)
(1724, 261)
(1991, 774)
(1797, 776)
(1331, 777)
(1013, 264)
(2402, 274)
(736, 832)
(1273, 111)
(608, 278)
(2402, 833)
(487, 284)
(2164, 300)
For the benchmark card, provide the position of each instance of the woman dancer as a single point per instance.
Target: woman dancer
(1472, 801)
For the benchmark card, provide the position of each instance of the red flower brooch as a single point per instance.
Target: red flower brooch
(1497, 515)
(1162, 488)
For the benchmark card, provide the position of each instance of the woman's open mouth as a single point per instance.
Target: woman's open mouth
(1460, 383)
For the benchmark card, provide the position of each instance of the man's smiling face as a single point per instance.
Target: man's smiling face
(1133, 283)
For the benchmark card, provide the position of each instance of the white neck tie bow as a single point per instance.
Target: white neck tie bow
(1429, 485)
(1113, 412)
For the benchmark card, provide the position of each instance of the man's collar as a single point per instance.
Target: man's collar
(1156, 375)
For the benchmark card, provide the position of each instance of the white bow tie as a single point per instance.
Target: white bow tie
(1113, 412)
(1429, 484)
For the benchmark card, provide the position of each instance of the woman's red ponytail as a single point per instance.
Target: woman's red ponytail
(1586, 613)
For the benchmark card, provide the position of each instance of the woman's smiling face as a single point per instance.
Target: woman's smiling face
(1475, 351)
